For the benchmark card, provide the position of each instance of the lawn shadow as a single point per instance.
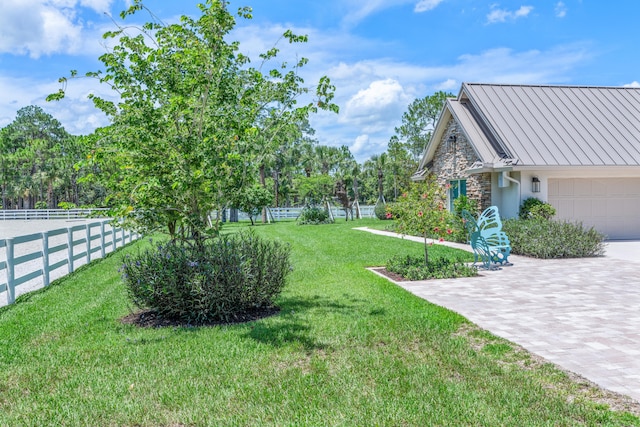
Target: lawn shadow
(291, 326)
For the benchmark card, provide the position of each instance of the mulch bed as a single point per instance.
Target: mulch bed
(151, 319)
(391, 275)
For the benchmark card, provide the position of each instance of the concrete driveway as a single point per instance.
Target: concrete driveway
(580, 314)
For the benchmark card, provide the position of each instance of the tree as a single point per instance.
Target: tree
(251, 200)
(420, 211)
(400, 165)
(192, 118)
(36, 160)
(419, 120)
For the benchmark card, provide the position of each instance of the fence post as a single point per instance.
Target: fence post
(123, 236)
(102, 242)
(88, 233)
(113, 238)
(11, 290)
(45, 258)
(70, 248)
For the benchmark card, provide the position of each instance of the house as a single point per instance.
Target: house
(576, 147)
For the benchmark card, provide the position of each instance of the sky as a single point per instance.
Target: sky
(380, 54)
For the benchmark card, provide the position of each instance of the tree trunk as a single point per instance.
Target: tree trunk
(263, 182)
(276, 185)
(426, 250)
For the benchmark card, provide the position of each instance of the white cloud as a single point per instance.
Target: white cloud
(449, 85)
(561, 10)
(44, 27)
(426, 5)
(371, 108)
(76, 112)
(503, 15)
(358, 10)
(632, 84)
(100, 6)
(361, 143)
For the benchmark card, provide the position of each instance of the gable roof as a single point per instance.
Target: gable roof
(526, 125)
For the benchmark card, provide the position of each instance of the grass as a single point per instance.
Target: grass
(348, 348)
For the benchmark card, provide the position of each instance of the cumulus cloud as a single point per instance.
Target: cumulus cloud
(370, 108)
(503, 15)
(632, 84)
(426, 5)
(44, 27)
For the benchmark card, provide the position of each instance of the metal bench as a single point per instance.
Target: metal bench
(489, 243)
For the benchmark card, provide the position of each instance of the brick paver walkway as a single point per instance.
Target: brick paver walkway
(581, 314)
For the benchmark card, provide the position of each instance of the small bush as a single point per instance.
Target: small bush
(380, 211)
(414, 268)
(314, 215)
(224, 278)
(541, 238)
(536, 208)
(460, 204)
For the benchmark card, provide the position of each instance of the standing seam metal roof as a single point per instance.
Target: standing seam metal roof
(562, 125)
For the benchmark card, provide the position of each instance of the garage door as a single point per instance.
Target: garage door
(611, 205)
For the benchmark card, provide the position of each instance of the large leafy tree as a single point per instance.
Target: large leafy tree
(193, 118)
(419, 120)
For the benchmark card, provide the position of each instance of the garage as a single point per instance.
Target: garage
(610, 205)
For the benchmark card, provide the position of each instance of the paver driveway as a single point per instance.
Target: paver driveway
(581, 314)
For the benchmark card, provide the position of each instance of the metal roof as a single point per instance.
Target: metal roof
(554, 125)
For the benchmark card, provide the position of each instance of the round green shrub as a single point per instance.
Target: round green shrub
(219, 280)
(314, 215)
(380, 210)
(536, 208)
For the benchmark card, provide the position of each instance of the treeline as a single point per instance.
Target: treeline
(43, 166)
(38, 159)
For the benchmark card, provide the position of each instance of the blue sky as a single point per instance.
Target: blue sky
(380, 54)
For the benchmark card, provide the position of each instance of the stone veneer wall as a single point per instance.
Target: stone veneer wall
(452, 159)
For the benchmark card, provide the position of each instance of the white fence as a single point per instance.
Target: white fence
(276, 213)
(20, 264)
(279, 214)
(30, 214)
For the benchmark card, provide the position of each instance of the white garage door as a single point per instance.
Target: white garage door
(611, 205)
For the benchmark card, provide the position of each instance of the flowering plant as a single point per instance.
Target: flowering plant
(421, 211)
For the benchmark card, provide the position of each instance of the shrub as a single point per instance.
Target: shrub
(541, 238)
(380, 210)
(414, 268)
(460, 204)
(66, 205)
(314, 215)
(40, 204)
(536, 208)
(218, 280)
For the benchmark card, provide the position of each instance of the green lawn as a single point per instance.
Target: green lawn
(348, 348)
